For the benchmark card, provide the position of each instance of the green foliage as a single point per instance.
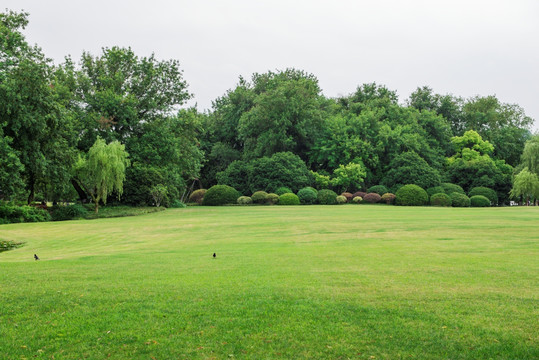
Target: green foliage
(220, 195)
(326, 197)
(357, 200)
(341, 199)
(177, 204)
(452, 188)
(197, 196)
(289, 199)
(486, 192)
(283, 190)
(440, 199)
(411, 195)
(259, 197)
(273, 198)
(244, 200)
(436, 190)
(410, 168)
(349, 176)
(307, 196)
(378, 189)
(526, 184)
(479, 201)
(68, 212)
(359, 193)
(530, 155)
(6, 245)
(10, 213)
(103, 171)
(388, 198)
(322, 181)
(159, 194)
(372, 198)
(459, 200)
(237, 175)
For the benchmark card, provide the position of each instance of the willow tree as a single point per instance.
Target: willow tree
(102, 171)
(526, 184)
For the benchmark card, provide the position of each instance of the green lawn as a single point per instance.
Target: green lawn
(305, 282)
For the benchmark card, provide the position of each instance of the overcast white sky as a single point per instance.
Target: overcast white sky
(467, 48)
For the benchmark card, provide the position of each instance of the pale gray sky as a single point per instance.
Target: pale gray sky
(463, 47)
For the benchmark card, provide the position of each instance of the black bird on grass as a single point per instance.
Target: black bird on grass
(36, 257)
(214, 255)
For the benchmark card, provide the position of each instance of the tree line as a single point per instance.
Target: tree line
(52, 116)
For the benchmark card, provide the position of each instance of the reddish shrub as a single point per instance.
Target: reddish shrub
(361, 194)
(348, 196)
(372, 198)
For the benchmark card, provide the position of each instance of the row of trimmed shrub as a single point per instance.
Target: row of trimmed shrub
(11, 213)
(407, 195)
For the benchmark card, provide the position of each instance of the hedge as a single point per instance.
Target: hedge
(372, 198)
(341, 199)
(197, 196)
(459, 200)
(479, 201)
(486, 192)
(388, 198)
(327, 197)
(273, 198)
(244, 200)
(307, 196)
(283, 190)
(259, 197)
(411, 195)
(378, 189)
(440, 199)
(452, 188)
(288, 199)
(220, 195)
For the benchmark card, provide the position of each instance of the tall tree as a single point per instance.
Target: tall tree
(102, 172)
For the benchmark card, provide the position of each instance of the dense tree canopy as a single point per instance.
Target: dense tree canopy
(275, 129)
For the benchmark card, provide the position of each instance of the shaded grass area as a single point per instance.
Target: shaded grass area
(120, 211)
(333, 282)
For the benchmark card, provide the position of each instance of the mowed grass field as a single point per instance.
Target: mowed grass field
(299, 282)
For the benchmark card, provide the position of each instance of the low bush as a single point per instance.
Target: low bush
(361, 194)
(479, 201)
(69, 212)
(486, 192)
(259, 197)
(411, 195)
(327, 197)
(378, 189)
(197, 196)
(388, 198)
(6, 245)
(440, 199)
(177, 204)
(283, 190)
(341, 199)
(372, 198)
(288, 199)
(348, 196)
(10, 213)
(357, 200)
(452, 188)
(435, 190)
(273, 199)
(220, 195)
(459, 200)
(307, 196)
(244, 200)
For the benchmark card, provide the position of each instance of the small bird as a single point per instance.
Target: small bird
(214, 255)
(36, 257)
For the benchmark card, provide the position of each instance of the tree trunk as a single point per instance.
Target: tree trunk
(83, 196)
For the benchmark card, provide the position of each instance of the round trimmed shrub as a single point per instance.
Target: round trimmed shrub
(341, 199)
(378, 189)
(357, 200)
(459, 200)
(435, 190)
(388, 198)
(272, 198)
(452, 188)
(411, 195)
(307, 196)
(197, 196)
(327, 197)
(479, 201)
(372, 198)
(220, 195)
(283, 190)
(288, 199)
(244, 200)
(259, 197)
(69, 212)
(361, 194)
(486, 192)
(440, 199)
(348, 196)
